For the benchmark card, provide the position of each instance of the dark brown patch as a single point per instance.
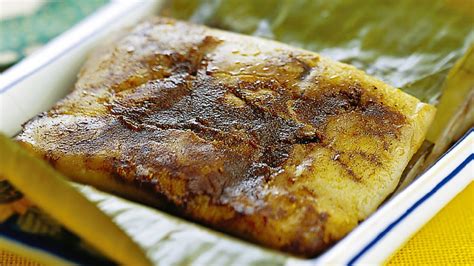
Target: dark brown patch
(348, 170)
(253, 140)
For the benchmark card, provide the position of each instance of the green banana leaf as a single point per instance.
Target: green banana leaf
(410, 44)
(456, 107)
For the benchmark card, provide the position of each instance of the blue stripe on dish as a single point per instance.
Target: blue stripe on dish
(443, 182)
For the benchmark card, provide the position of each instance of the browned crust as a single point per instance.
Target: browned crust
(220, 143)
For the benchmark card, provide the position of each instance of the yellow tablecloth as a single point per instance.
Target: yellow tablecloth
(7, 258)
(446, 240)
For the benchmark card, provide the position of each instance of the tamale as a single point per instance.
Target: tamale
(270, 143)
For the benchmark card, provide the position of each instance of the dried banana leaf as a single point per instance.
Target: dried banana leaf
(455, 110)
(168, 240)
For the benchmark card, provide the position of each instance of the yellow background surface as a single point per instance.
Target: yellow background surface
(446, 240)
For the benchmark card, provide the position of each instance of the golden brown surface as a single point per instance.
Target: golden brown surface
(270, 143)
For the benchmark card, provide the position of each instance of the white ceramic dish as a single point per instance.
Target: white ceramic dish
(37, 82)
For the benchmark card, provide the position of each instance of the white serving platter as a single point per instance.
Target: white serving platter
(37, 82)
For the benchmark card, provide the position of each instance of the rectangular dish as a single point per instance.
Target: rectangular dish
(372, 241)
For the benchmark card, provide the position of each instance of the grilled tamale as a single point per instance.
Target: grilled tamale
(267, 142)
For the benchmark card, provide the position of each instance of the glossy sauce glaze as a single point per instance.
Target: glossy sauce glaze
(248, 136)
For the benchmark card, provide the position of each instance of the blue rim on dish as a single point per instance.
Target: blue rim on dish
(420, 201)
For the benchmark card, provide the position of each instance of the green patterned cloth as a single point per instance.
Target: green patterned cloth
(22, 34)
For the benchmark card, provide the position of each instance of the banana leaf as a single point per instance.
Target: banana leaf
(455, 110)
(168, 240)
(409, 44)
